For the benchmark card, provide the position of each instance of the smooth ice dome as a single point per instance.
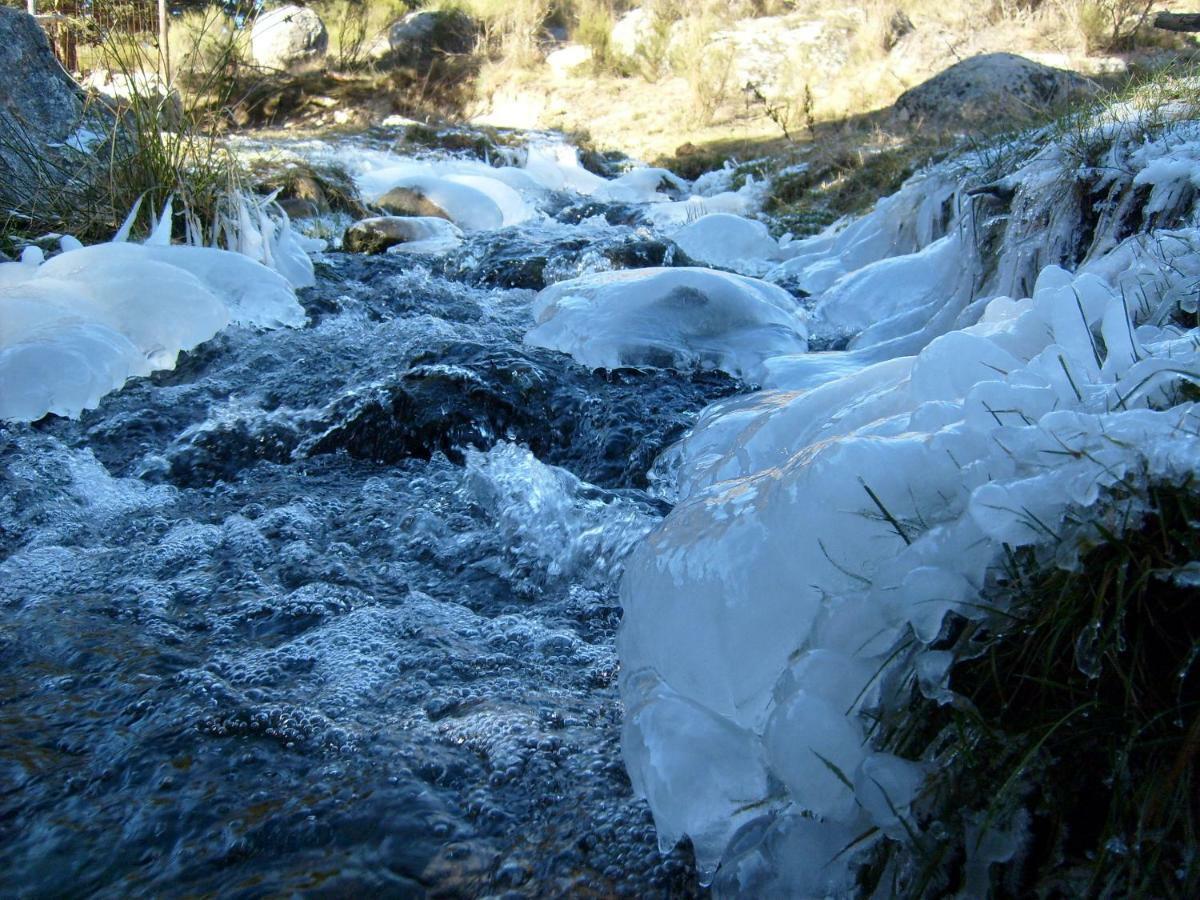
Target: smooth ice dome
(474, 196)
(79, 325)
(684, 318)
(729, 241)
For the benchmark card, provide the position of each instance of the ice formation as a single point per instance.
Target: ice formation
(429, 235)
(730, 242)
(828, 524)
(683, 318)
(81, 324)
(1003, 367)
(77, 326)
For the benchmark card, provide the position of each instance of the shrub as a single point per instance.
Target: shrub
(707, 67)
(512, 29)
(592, 27)
(1107, 25)
(355, 26)
(207, 50)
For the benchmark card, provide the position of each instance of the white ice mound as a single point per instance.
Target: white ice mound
(77, 326)
(745, 201)
(902, 223)
(825, 533)
(682, 318)
(556, 167)
(729, 241)
(475, 196)
(467, 206)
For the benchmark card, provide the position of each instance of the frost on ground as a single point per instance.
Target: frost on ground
(829, 523)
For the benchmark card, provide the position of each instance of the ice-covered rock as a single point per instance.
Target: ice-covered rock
(401, 234)
(729, 241)
(474, 202)
(683, 318)
(77, 326)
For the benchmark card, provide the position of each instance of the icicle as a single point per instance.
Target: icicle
(266, 228)
(122, 234)
(160, 233)
(249, 241)
(193, 230)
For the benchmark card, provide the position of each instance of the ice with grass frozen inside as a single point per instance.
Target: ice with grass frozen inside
(829, 524)
(77, 326)
(682, 318)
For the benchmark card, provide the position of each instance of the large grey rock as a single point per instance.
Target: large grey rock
(424, 34)
(631, 33)
(287, 38)
(41, 112)
(994, 88)
(126, 88)
(767, 51)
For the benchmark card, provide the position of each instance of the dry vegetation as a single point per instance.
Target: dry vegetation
(678, 97)
(683, 82)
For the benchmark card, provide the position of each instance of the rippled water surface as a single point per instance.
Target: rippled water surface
(332, 610)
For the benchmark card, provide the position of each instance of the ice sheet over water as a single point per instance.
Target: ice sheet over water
(77, 326)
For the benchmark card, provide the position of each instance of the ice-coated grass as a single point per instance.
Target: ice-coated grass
(1075, 714)
(833, 582)
(152, 143)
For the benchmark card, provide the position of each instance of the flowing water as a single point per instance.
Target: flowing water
(331, 610)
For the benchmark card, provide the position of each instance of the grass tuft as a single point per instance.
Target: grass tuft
(149, 144)
(1077, 712)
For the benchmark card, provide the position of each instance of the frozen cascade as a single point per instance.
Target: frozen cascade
(829, 520)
